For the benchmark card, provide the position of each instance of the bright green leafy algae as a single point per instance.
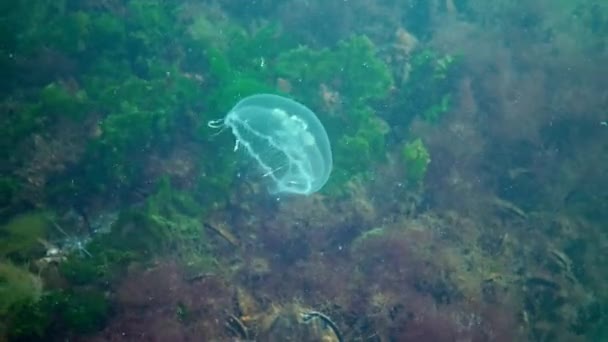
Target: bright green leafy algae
(343, 84)
(426, 90)
(416, 158)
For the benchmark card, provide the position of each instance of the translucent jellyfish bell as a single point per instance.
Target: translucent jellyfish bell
(285, 138)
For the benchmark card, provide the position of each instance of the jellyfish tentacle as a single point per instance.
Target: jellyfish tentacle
(219, 123)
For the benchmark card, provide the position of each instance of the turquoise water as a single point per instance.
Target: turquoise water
(467, 198)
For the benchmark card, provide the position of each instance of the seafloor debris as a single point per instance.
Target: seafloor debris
(289, 322)
(223, 231)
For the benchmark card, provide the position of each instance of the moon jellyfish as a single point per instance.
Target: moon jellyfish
(286, 140)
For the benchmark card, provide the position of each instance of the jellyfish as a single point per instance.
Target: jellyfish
(285, 139)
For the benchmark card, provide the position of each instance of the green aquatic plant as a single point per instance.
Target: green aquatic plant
(176, 217)
(152, 26)
(356, 152)
(144, 115)
(28, 320)
(47, 107)
(17, 285)
(416, 158)
(58, 312)
(352, 69)
(442, 65)
(125, 79)
(20, 237)
(9, 188)
(357, 77)
(426, 90)
(435, 111)
(138, 78)
(57, 101)
(246, 67)
(82, 311)
(147, 68)
(107, 33)
(216, 174)
(167, 222)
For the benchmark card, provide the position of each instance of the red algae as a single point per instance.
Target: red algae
(161, 304)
